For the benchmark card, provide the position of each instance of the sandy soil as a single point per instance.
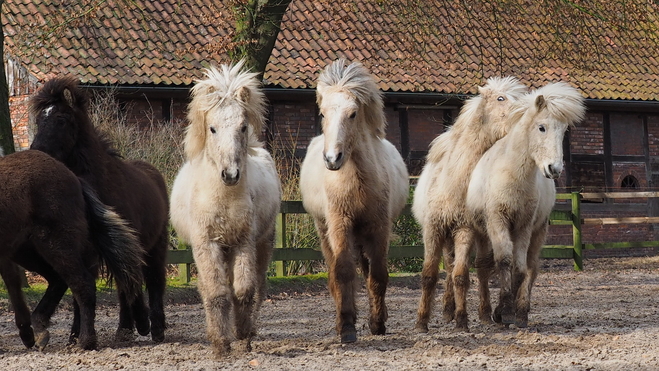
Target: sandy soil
(605, 318)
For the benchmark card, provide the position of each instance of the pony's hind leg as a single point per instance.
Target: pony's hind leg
(12, 276)
(429, 277)
(484, 266)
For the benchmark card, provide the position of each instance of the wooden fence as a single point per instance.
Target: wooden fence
(572, 217)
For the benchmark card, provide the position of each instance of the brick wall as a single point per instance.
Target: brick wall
(294, 124)
(424, 126)
(19, 121)
(588, 137)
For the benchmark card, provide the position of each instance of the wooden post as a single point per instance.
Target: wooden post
(280, 243)
(576, 231)
(184, 269)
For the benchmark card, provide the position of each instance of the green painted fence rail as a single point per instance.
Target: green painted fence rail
(284, 253)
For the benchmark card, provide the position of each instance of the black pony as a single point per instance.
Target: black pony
(52, 223)
(135, 189)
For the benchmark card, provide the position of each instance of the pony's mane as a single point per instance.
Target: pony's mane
(54, 91)
(221, 84)
(356, 80)
(471, 113)
(562, 101)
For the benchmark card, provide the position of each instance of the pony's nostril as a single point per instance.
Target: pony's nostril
(551, 169)
(237, 175)
(338, 157)
(224, 174)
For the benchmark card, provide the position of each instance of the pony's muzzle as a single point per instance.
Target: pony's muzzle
(333, 162)
(553, 171)
(230, 178)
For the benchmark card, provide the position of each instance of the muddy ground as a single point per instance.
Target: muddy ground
(605, 318)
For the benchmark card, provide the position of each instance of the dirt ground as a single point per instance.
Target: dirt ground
(605, 318)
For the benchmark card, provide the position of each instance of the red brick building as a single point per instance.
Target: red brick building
(428, 57)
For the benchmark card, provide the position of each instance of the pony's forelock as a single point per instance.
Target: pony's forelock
(220, 84)
(562, 101)
(356, 80)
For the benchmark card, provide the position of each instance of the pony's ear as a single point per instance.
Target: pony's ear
(243, 94)
(68, 96)
(195, 135)
(540, 102)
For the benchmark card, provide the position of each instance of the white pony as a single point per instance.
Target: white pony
(511, 191)
(225, 200)
(354, 183)
(439, 198)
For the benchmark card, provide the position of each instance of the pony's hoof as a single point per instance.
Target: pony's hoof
(348, 334)
(378, 328)
(448, 317)
(124, 335)
(143, 327)
(73, 339)
(421, 328)
(221, 348)
(88, 344)
(27, 336)
(157, 336)
(507, 319)
(522, 320)
(42, 340)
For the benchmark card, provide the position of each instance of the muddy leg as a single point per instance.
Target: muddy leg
(11, 274)
(429, 277)
(377, 281)
(463, 240)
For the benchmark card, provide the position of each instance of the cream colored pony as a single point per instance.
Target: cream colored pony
(512, 193)
(440, 193)
(225, 201)
(354, 183)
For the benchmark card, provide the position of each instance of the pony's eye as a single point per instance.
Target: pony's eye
(542, 128)
(321, 116)
(212, 130)
(501, 98)
(243, 128)
(354, 114)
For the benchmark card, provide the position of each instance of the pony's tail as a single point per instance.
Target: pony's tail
(116, 243)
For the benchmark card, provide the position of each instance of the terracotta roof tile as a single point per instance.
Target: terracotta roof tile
(440, 48)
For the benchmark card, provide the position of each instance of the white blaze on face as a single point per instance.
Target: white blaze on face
(48, 111)
(338, 111)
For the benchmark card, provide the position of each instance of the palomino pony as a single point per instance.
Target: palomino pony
(135, 189)
(512, 193)
(354, 183)
(440, 193)
(53, 223)
(225, 201)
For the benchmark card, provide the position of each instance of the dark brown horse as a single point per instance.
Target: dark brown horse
(52, 223)
(135, 189)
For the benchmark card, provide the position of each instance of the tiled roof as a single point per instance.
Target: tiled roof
(437, 46)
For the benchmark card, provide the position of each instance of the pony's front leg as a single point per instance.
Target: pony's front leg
(463, 239)
(12, 276)
(429, 277)
(528, 260)
(377, 280)
(342, 281)
(245, 284)
(215, 290)
(502, 247)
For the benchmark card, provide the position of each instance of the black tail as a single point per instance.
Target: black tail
(116, 243)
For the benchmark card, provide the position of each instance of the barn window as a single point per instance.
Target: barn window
(630, 182)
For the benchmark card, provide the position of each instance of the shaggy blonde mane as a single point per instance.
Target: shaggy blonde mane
(221, 85)
(355, 80)
(472, 117)
(562, 101)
